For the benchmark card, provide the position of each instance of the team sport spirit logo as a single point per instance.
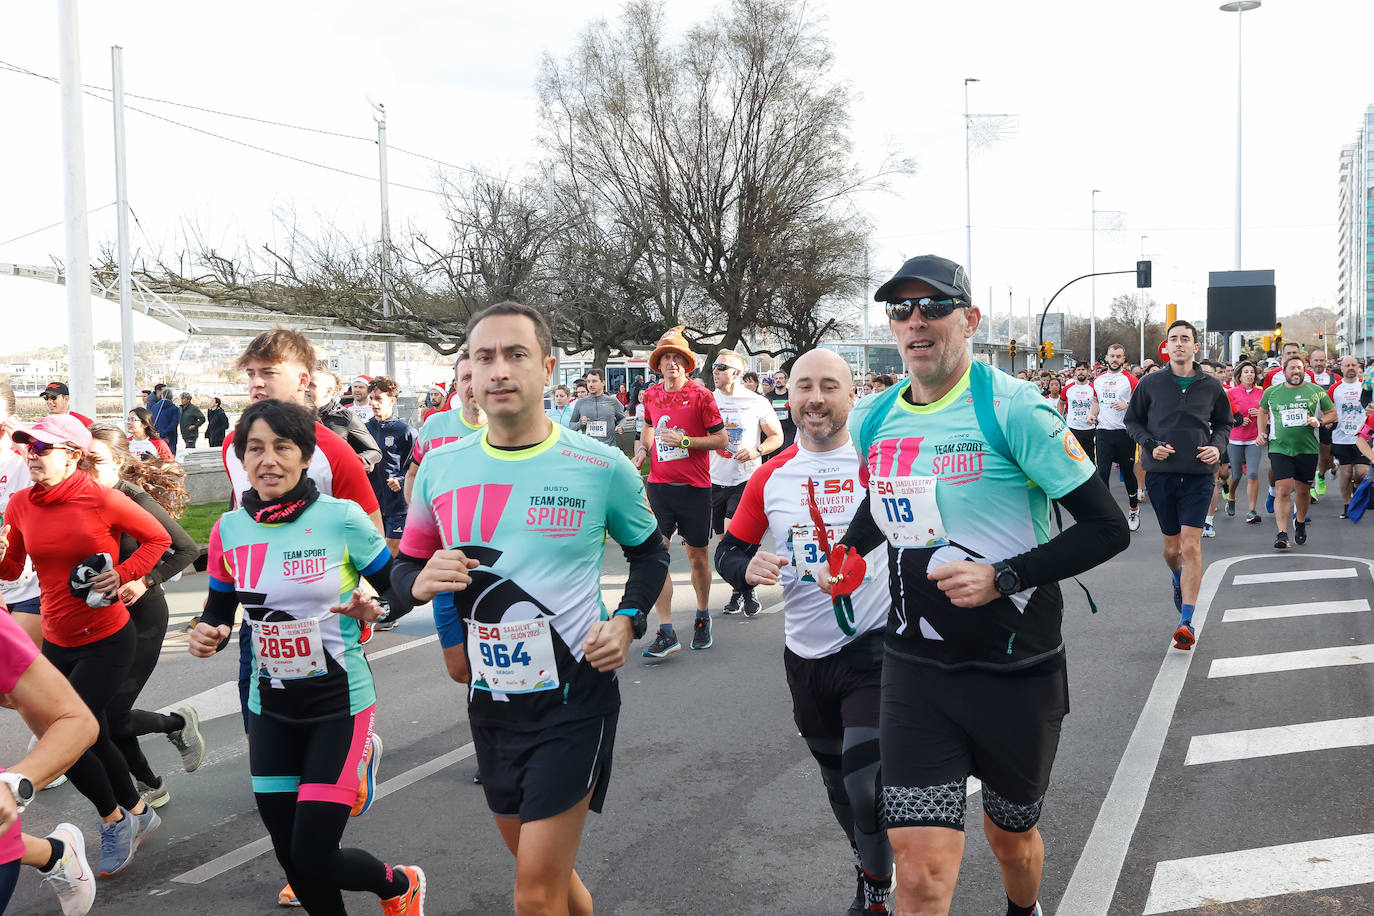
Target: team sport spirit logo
(245, 562)
(457, 510)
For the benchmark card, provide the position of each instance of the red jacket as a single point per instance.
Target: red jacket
(60, 526)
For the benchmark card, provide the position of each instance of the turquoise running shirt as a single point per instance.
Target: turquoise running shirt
(941, 493)
(309, 664)
(536, 519)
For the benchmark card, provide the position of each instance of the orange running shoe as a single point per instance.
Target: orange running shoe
(412, 902)
(367, 788)
(287, 897)
(1184, 636)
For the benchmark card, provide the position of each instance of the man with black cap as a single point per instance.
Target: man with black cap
(682, 426)
(59, 399)
(960, 463)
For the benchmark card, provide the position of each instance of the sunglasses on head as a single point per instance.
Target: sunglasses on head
(931, 309)
(42, 448)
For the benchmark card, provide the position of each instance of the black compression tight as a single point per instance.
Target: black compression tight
(850, 771)
(126, 723)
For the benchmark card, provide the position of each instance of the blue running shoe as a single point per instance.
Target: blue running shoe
(701, 633)
(118, 842)
(663, 646)
(1269, 504)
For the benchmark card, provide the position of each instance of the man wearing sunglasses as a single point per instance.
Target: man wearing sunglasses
(58, 399)
(960, 463)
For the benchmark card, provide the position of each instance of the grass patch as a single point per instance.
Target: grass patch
(198, 520)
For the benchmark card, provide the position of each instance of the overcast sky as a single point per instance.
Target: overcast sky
(1137, 100)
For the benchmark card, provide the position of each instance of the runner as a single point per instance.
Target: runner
(682, 426)
(598, 414)
(145, 483)
(1323, 377)
(833, 662)
(1352, 404)
(544, 699)
(1114, 388)
(961, 463)
(144, 440)
(1182, 419)
(20, 595)
(396, 438)
(778, 395)
(1221, 480)
(562, 410)
(753, 432)
(1242, 446)
(448, 425)
(70, 526)
(1081, 409)
(1298, 408)
(348, 422)
(44, 698)
(293, 557)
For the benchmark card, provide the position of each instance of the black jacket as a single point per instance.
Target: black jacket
(1161, 413)
(217, 426)
(352, 430)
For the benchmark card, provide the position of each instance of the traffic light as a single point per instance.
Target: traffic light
(1268, 342)
(1278, 335)
(1142, 274)
(1048, 347)
(1012, 349)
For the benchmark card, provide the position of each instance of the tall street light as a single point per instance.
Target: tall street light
(1092, 308)
(968, 193)
(1241, 7)
(1142, 305)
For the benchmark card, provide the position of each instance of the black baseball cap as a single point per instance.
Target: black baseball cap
(943, 274)
(54, 389)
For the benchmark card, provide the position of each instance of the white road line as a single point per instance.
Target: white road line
(1093, 883)
(1304, 609)
(422, 641)
(249, 851)
(1184, 884)
(1281, 739)
(1296, 575)
(1292, 661)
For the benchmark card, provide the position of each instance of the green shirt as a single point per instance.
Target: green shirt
(1290, 408)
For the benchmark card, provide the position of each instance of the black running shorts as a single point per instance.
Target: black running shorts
(682, 508)
(1348, 454)
(1302, 468)
(534, 775)
(838, 691)
(724, 502)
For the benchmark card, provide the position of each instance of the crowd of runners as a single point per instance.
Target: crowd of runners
(884, 507)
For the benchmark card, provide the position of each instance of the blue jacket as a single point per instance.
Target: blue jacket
(166, 419)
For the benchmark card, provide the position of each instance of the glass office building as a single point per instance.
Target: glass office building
(1355, 278)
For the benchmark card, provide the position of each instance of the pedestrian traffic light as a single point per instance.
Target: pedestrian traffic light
(1142, 274)
(1012, 349)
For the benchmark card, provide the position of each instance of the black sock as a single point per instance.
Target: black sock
(398, 883)
(176, 718)
(59, 849)
(1014, 910)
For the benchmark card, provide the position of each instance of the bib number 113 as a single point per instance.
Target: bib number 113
(898, 509)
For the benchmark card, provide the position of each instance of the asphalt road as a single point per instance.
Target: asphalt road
(1180, 786)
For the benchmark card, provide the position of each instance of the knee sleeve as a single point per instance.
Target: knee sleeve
(861, 778)
(925, 806)
(828, 754)
(1008, 815)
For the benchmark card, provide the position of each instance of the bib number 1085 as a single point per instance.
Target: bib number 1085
(898, 509)
(496, 654)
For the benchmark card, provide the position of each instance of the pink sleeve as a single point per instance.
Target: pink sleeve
(17, 652)
(215, 562)
(421, 535)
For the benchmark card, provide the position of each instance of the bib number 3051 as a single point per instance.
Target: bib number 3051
(512, 656)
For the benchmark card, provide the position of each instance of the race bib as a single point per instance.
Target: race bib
(906, 511)
(513, 656)
(781, 411)
(1351, 420)
(666, 452)
(1295, 416)
(289, 649)
(596, 429)
(1078, 413)
(734, 435)
(807, 555)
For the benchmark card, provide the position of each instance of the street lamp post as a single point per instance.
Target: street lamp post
(968, 192)
(1092, 309)
(1142, 305)
(1239, 7)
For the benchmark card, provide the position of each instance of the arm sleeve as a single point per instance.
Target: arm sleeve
(219, 609)
(184, 550)
(710, 413)
(732, 558)
(222, 601)
(648, 569)
(1098, 533)
(1042, 445)
(747, 527)
(124, 515)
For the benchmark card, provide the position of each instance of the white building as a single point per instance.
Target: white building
(1355, 278)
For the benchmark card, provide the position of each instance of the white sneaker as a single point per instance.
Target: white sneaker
(71, 878)
(1133, 519)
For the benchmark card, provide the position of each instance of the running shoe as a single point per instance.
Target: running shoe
(1252, 517)
(1321, 485)
(118, 843)
(367, 788)
(1281, 542)
(188, 741)
(663, 645)
(870, 899)
(751, 604)
(364, 637)
(156, 796)
(1345, 509)
(385, 626)
(701, 633)
(1208, 531)
(1269, 504)
(1300, 533)
(148, 822)
(1185, 637)
(1178, 597)
(61, 780)
(1231, 508)
(1133, 519)
(1312, 498)
(287, 897)
(412, 902)
(734, 605)
(71, 877)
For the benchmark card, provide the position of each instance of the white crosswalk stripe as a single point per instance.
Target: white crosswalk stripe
(1301, 609)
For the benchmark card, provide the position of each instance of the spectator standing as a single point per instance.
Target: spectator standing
(217, 424)
(167, 419)
(192, 419)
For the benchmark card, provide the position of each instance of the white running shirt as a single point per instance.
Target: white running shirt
(1113, 388)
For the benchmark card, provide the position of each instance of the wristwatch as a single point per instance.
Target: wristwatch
(1005, 579)
(21, 786)
(686, 442)
(639, 620)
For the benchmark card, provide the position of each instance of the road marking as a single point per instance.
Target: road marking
(1305, 609)
(1296, 575)
(1292, 661)
(1283, 739)
(1184, 884)
(422, 641)
(1093, 882)
(249, 851)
